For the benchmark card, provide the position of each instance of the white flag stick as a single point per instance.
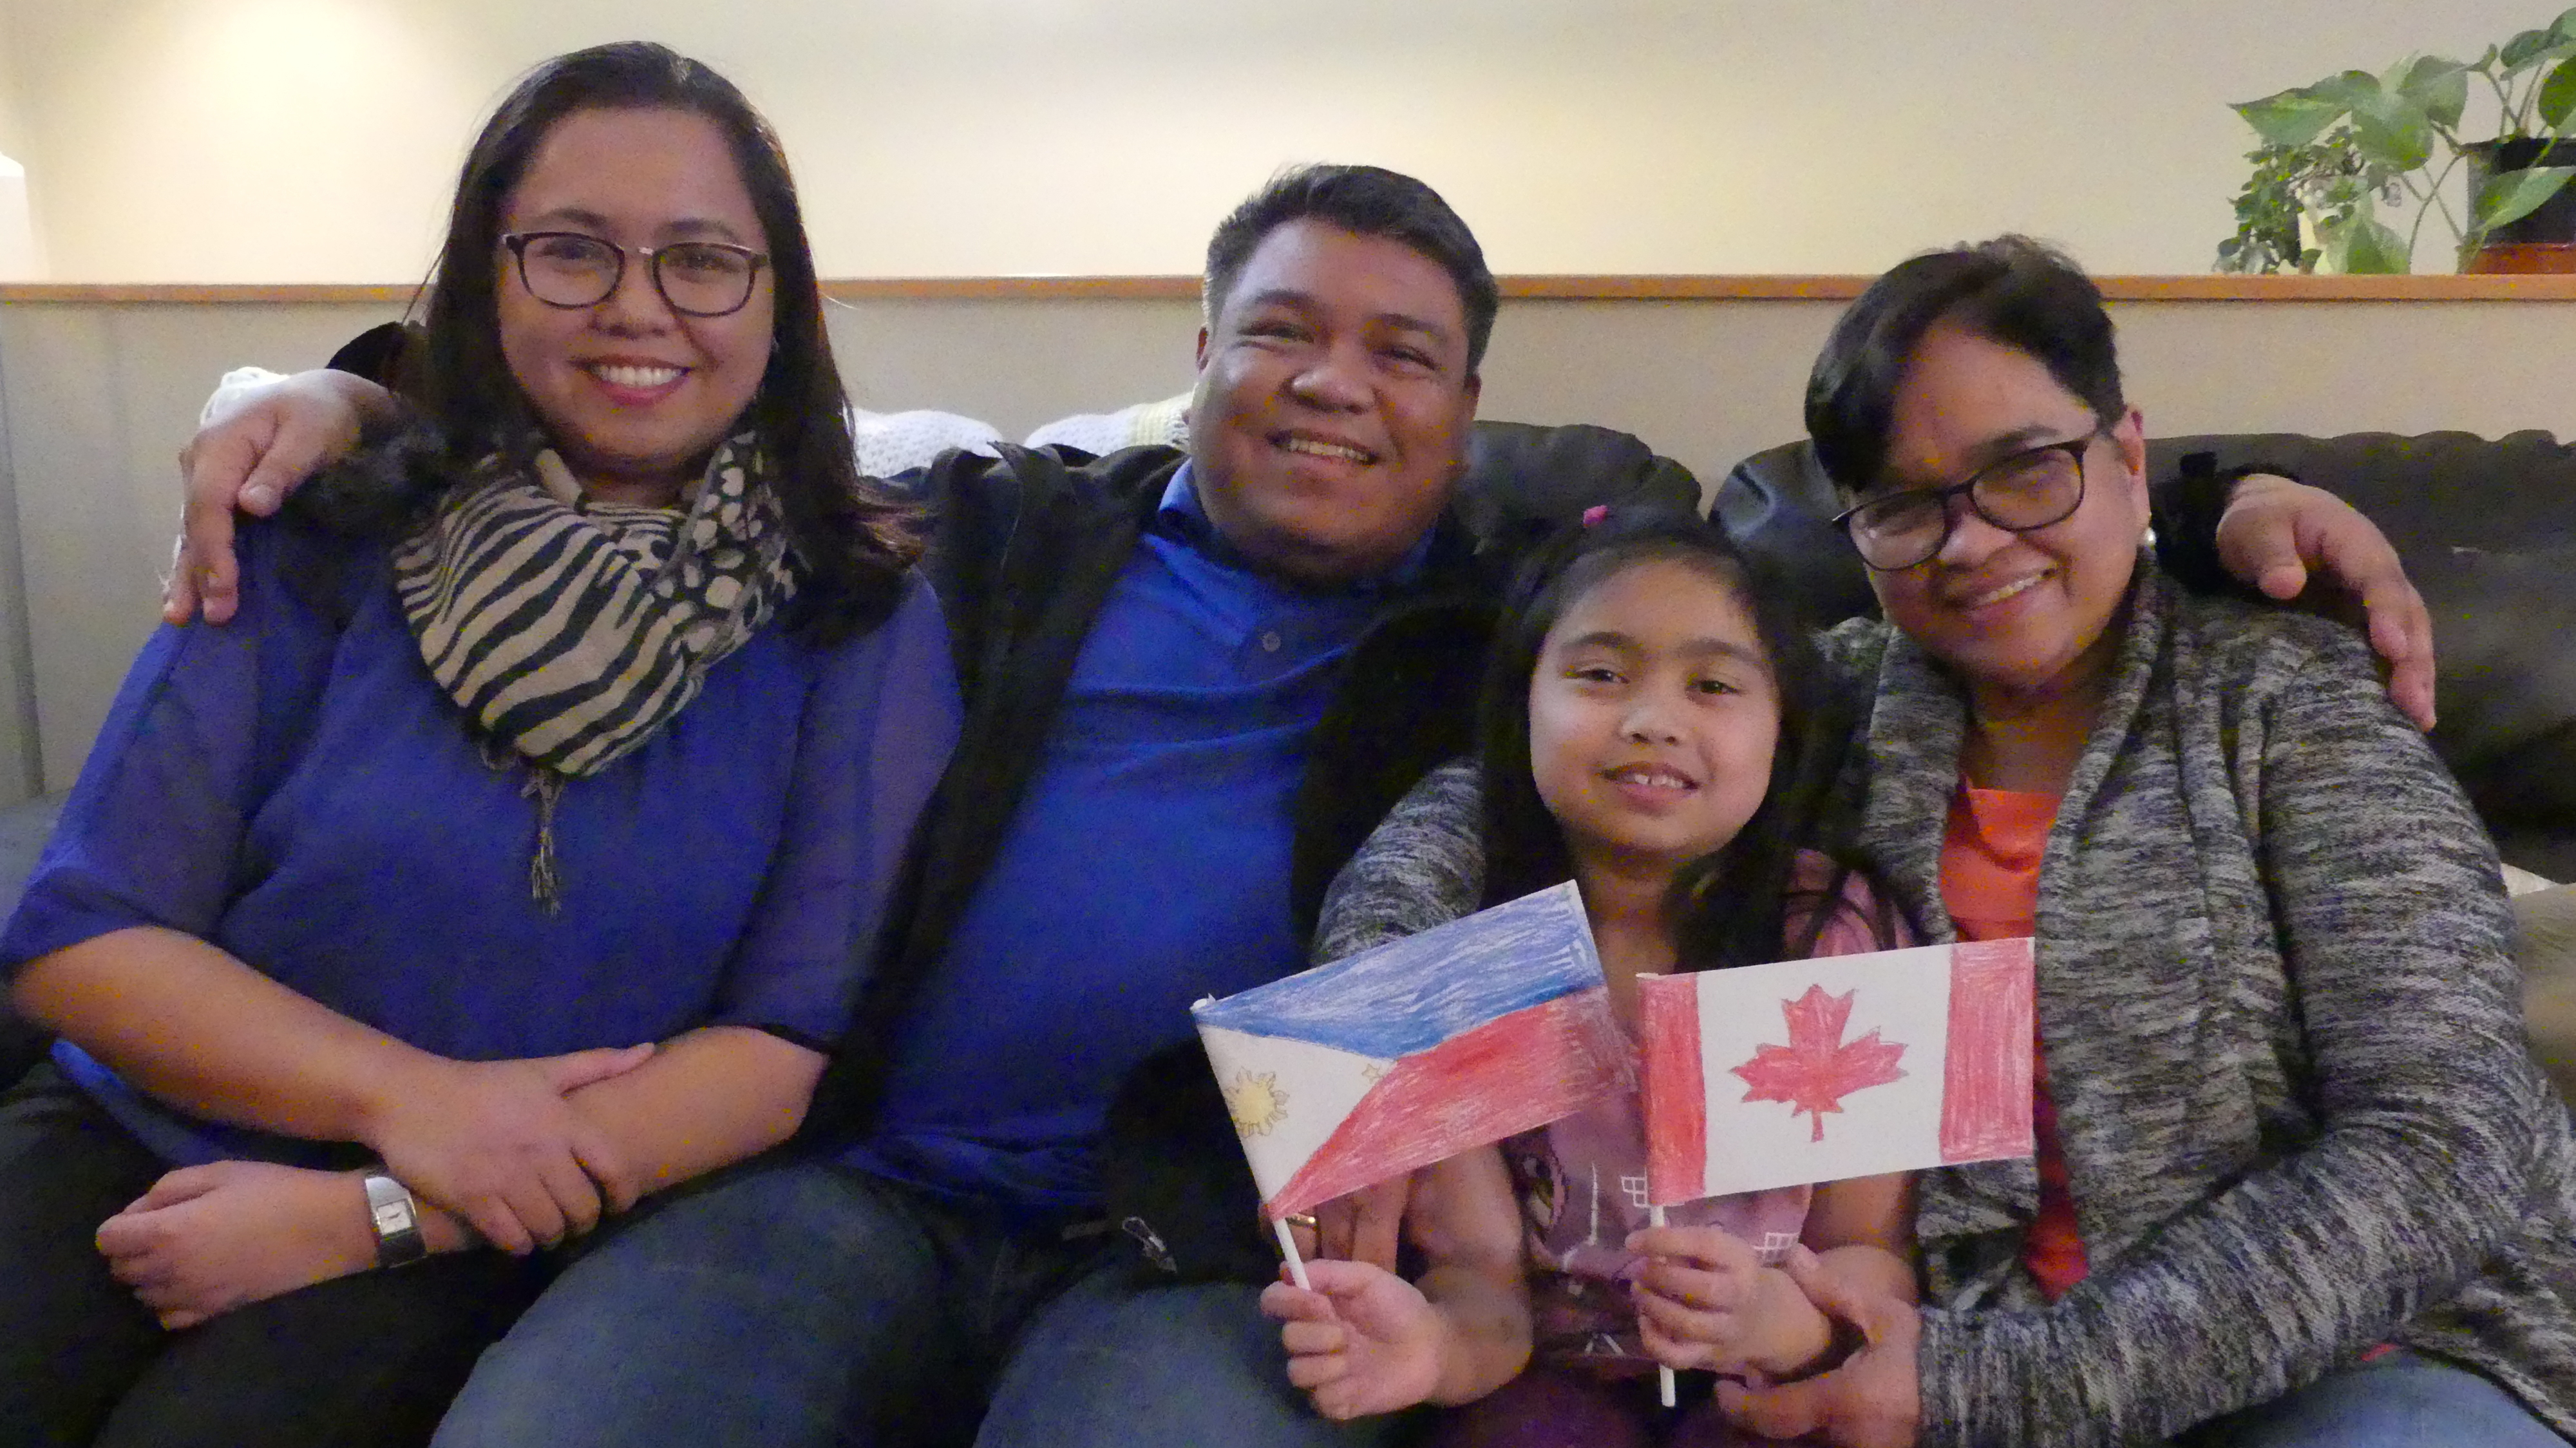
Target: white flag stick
(1288, 1248)
(1663, 1376)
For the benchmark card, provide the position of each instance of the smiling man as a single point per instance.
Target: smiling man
(1336, 382)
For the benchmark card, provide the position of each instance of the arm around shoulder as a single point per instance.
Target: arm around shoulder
(267, 442)
(1423, 866)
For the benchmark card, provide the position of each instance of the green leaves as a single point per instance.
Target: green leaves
(2440, 88)
(2393, 119)
(2362, 245)
(2340, 151)
(2512, 195)
(2527, 49)
(2268, 211)
(2292, 118)
(2558, 94)
(2392, 129)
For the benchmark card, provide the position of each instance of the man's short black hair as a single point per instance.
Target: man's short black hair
(1364, 201)
(2012, 290)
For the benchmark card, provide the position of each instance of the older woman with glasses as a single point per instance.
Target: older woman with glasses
(514, 852)
(2298, 1181)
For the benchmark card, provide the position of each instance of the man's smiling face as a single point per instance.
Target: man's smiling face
(1333, 402)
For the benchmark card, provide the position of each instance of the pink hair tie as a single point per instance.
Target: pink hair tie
(1595, 515)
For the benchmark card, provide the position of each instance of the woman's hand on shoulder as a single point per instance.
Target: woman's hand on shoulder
(1361, 1341)
(208, 1239)
(494, 1142)
(250, 457)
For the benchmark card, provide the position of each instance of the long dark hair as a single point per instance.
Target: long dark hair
(850, 540)
(1736, 904)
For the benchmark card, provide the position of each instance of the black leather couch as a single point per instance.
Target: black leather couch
(2487, 529)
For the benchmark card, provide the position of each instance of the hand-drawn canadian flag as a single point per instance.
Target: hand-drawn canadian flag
(1394, 1058)
(1840, 1066)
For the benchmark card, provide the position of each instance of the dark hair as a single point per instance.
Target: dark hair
(1364, 201)
(2012, 290)
(1734, 905)
(851, 543)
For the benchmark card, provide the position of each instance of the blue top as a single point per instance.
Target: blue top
(303, 795)
(1148, 866)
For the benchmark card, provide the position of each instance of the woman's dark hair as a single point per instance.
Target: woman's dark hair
(851, 542)
(1364, 201)
(2012, 290)
(1734, 905)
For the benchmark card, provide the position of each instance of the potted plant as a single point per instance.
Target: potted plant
(2336, 152)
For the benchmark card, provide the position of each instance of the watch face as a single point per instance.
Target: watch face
(393, 1217)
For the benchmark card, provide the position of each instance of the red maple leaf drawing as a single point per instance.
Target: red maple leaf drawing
(1817, 1069)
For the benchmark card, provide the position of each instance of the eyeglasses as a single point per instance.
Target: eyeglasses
(2030, 489)
(698, 278)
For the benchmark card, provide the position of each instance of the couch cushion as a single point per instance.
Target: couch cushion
(2430, 490)
(2487, 529)
(1525, 477)
(2545, 923)
(1778, 504)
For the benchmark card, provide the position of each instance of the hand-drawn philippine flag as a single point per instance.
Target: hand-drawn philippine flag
(1839, 1066)
(1394, 1058)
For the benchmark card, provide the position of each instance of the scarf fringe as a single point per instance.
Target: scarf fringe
(545, 877)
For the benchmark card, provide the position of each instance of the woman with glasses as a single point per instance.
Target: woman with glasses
(2297, 1180)
(513, 854)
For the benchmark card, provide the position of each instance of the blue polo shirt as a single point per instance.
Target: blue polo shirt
(1147, 866)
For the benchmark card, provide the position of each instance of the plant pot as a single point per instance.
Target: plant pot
(2544, 241)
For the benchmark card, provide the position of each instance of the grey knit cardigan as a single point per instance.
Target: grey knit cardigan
(2282, 1027)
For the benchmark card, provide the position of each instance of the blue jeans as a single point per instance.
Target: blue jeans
(809, 1303)
(2399, 1400)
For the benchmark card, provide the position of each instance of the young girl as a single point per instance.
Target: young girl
(1657, 729)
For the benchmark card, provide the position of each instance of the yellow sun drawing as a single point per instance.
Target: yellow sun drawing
(1256, 1102)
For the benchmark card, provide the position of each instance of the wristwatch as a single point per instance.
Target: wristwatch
(397, 1222)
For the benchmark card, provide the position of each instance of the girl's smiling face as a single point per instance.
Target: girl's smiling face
(1653, 716)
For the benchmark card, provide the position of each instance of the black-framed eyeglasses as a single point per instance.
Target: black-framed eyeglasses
(2030, 489)
(574, 269)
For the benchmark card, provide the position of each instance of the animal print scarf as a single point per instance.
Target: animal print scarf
(570, 631)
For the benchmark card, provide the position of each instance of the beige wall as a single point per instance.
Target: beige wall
(13, 65)
(96, 398)
(314, 140)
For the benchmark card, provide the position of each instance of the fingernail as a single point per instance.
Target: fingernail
(258, 497)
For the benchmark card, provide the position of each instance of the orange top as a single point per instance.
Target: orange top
(1990, 858)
